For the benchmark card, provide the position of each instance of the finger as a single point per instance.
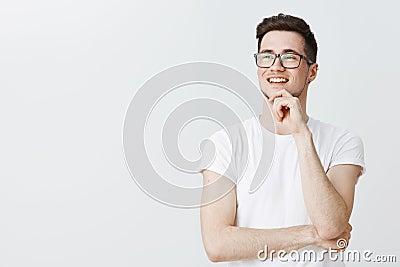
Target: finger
(350, 227)
(280, 104)
(347, 237)
(281, 93)
(277, 111)
(283, 102)
(346, 234)
(278, 108)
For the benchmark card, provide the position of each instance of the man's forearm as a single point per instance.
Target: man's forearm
(237, 243)
(325, 206)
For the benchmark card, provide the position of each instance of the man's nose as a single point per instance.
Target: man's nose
(277, 65)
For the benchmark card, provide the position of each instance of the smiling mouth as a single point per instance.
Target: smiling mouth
(277, 80)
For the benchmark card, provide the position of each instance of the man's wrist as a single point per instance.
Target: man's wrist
(311, 235)
(303, 135)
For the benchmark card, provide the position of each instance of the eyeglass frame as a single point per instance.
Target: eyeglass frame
(309, 61)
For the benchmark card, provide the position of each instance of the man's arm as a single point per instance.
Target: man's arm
(329, 202)
(224, 241)
(328, 197)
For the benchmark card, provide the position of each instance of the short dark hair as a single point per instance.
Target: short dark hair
(283, 22)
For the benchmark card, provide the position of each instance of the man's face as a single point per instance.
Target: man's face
(294, 80)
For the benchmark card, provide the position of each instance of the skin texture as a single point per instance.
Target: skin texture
(328, 196)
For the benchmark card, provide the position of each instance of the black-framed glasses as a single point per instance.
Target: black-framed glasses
(287, 60)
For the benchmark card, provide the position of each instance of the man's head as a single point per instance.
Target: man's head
(283, 22)
(291, 36)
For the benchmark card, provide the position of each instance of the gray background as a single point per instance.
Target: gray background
(68, 70)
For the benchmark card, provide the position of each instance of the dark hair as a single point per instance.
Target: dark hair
(283, 22)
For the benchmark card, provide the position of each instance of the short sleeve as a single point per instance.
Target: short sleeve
(223, 162)
(349, 149)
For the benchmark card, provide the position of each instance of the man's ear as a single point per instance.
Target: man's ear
(312, 73)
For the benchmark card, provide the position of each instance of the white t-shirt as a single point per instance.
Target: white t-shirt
(277, 201)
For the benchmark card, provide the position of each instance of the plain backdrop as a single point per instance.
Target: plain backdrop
(68, 70)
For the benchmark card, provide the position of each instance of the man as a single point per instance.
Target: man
(306, 199)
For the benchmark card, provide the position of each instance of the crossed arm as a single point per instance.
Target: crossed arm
(328, 198)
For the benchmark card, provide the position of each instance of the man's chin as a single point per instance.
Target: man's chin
(277, 87)
(272, 89)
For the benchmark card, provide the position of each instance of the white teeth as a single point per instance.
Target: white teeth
(277, 80)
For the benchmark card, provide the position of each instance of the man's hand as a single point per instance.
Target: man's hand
(340, 243)
(287, 111)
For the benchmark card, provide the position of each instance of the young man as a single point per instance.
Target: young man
(306, 199)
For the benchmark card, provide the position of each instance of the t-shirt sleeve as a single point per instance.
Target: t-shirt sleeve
(349, 149)
(223, 162)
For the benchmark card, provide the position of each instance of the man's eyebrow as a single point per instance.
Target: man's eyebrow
(288, 50)
(267, 51)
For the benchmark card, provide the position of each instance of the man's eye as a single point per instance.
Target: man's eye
(289, 57)
(268, 56)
